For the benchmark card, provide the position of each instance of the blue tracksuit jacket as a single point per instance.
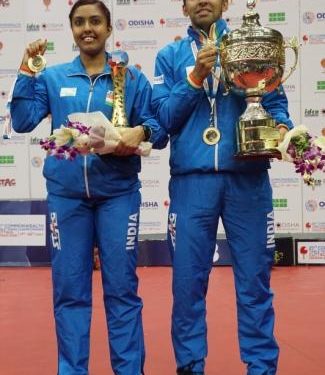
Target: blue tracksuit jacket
(184, 112)
(71, 90)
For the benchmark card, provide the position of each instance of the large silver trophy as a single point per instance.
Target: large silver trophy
(253, 64)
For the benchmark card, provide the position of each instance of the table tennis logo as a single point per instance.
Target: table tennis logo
(308, 225)
(303, 250)
(55, 233)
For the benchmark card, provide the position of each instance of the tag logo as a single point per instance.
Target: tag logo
(159, 80)
(68, 91)
(55, 234)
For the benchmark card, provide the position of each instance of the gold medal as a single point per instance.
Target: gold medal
(37, 63)
(211, 136)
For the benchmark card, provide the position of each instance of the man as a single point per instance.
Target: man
(207, 183)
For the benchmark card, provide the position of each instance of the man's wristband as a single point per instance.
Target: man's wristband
(282, 126)
(147, 132)
(24, 69)
(194, 82)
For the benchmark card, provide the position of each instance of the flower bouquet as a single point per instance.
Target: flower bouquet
(67, 141)
(305, 151)
(98, 136)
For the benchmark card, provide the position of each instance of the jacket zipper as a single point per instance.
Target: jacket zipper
(91, 90)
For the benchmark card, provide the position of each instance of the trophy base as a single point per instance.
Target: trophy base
(257, 135)
(256, 155)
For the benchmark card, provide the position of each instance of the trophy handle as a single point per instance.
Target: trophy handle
(294, 45)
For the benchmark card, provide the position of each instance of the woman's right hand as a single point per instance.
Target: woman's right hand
(35, 48)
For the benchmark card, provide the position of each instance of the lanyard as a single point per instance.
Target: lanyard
(210, 93)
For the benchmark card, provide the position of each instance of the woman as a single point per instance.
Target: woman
(92, 199)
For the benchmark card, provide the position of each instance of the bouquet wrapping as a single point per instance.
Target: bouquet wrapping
(87, 133)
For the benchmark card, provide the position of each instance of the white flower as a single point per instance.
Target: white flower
(82, 141)
(320, 142)
(65, 135)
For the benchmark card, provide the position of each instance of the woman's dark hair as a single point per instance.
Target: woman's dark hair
(100, 4)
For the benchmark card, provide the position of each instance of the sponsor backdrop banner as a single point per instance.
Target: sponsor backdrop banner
(141, 28)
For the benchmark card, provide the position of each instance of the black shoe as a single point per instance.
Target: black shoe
(186, 371)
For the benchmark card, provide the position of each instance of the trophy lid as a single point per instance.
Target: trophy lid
(252, 29)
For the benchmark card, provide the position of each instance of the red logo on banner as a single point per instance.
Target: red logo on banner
(166, 203)
(303, 251)
(308, 226)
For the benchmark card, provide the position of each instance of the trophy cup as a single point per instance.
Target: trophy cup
(253, 63)
(118, 62)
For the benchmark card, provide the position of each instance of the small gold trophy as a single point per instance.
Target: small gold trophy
(118, 62)
(253, 64)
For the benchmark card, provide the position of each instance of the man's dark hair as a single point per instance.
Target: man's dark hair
(100, 5)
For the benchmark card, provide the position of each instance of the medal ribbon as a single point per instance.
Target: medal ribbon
(210, 93)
